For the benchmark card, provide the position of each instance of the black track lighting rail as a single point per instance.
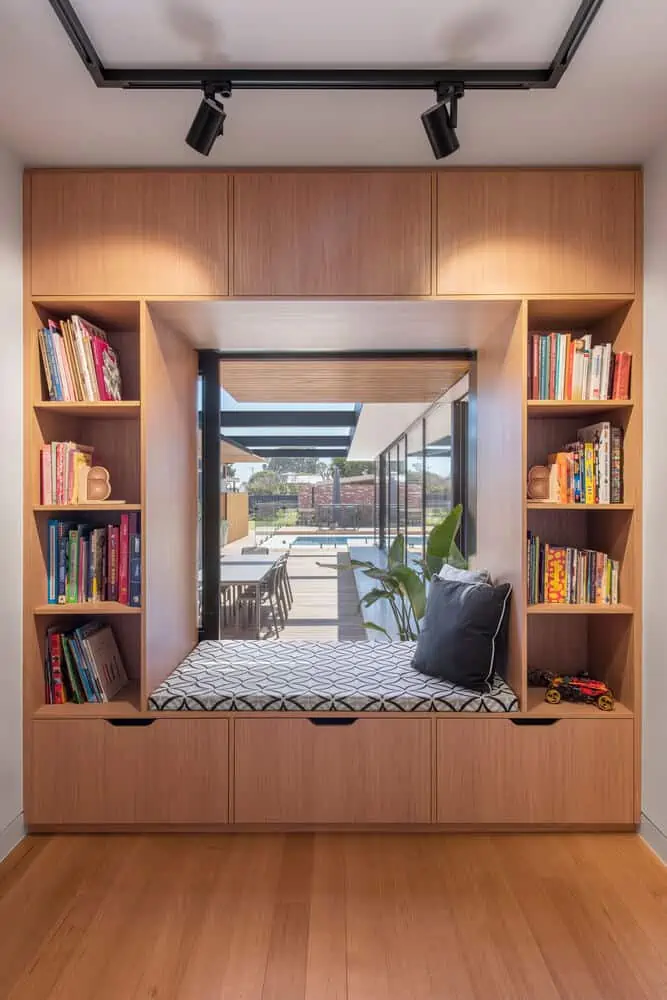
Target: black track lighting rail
(327, 79)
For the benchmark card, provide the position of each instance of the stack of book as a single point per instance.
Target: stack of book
(63, 465)
(86, 563)
(590, 469)
(79, 363)
(562, 575)
(82, 665)
(567, 366)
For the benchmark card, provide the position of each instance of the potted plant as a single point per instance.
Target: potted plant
(404, 587)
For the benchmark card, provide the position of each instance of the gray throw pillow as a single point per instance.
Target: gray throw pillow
(465, 575)
(463, 635)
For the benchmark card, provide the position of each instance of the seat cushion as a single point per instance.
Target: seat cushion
(230, 675)
(462, 639)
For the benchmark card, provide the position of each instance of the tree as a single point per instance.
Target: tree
(296, 466)
(348, 469)
(268, 481)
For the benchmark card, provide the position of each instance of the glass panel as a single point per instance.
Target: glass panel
(415, 480)
(438, 464)
(400, 486)
(393, 496)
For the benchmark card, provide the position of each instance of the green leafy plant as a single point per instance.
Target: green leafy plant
(404, 587)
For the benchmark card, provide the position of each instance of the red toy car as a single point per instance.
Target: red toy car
(578, 687)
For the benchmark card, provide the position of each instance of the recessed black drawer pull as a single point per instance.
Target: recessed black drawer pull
(329, 721)
(534, 722)
(130, 722)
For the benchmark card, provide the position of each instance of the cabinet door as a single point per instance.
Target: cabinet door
(129, 233)
(529, 232)
(333, 234)
(332, 770)
(91, 771)
(576, 771)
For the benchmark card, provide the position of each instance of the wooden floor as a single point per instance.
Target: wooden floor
(333, 916)
(326, 603)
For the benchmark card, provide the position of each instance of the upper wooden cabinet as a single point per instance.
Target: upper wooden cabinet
(530, 232)
(129, 233)
(344, 233)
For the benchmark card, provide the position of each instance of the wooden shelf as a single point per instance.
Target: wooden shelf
(579, 609)
(128, 508)
(543, 505)
(88, 608)
(538, 707)
(575, 408)
(125, 410)
(126, 703)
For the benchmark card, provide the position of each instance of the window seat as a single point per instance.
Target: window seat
(239, 676)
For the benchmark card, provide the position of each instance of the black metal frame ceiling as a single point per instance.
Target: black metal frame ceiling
(227, 78)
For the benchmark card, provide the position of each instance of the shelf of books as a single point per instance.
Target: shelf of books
(84, 571)
(583, 489)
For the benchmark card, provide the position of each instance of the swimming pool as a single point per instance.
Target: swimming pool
(335, 541)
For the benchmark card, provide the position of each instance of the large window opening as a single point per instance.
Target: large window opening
(318, 461)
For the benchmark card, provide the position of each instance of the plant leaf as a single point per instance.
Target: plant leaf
(377, 628)
(372, 596)
(414, 587)
(396, 554)
(441, 539)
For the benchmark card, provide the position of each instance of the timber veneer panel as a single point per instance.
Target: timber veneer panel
(128, 233)
(342, 233)
(369, 771)
(536, 232)
(577, 771)
(91, 771)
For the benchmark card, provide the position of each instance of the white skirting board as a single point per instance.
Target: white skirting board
(11, 836)
(654, 837)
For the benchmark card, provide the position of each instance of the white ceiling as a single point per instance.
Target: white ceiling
(337, 325)
(611, 106)
(379, 424)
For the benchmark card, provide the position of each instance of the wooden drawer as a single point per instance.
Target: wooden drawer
(332, 770)
(570, 771)
(92, 771)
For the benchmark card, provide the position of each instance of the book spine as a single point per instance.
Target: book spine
(82, 668)
(124, 560)
(52, 563)
(61, 362)
(79, 336)
(46, 367)
(90, 665)
(589, 472)
(624, 377)
(616, 487)
(113, 563)
(53, 365)
(82, 569)
(56, 669)
(552, 366)
(535, 354)
(63, 541)
(73, 567)
(556, 583)
(75, 685)
(135, 570)
(98, 347)
(604, 464)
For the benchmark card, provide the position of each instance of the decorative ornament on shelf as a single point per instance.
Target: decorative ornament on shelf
(96, 484)
(538, 482)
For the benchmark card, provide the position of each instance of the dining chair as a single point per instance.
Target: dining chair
(269, 598)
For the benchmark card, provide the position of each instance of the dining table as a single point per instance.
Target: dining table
(248, 571)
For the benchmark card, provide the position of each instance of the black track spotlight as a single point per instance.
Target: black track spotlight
(208, 122)
(440, 122)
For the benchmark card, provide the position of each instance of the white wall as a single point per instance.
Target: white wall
(11, 827)
(654, 798)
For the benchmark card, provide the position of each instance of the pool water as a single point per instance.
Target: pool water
(317, 540)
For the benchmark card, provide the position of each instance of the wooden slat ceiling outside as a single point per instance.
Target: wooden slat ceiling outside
(231, 453)
(340, 380)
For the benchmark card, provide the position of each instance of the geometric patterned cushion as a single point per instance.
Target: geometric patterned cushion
(237, 676)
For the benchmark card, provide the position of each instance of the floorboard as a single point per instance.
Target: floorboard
(333, 917)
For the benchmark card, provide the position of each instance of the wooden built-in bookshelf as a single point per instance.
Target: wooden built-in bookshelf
(604, 639)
